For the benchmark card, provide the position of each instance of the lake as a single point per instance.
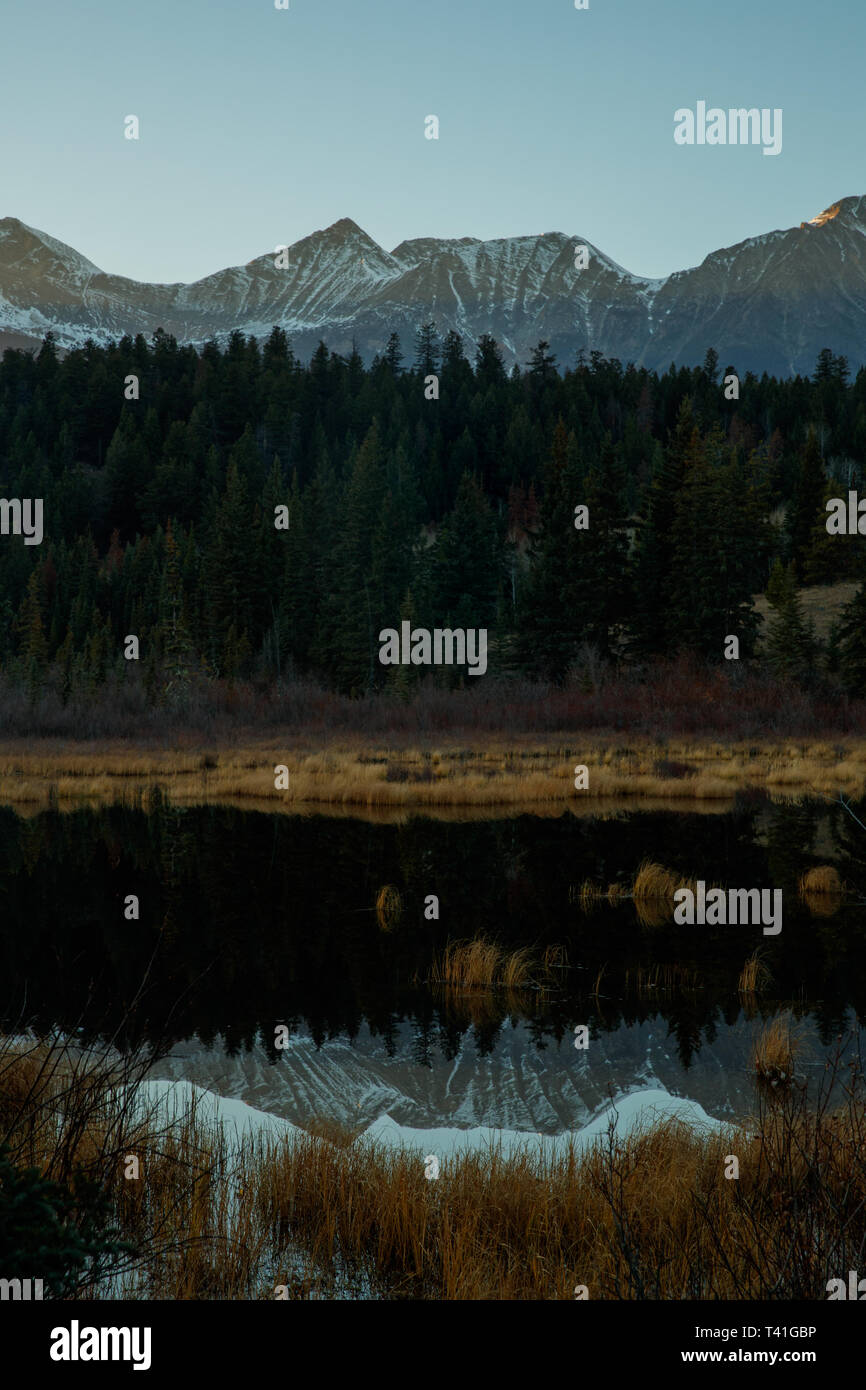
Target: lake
(249, 920)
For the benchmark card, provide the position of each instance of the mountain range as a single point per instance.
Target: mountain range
(512, 1083)
(770, 303)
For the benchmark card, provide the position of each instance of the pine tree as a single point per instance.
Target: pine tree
(31, 629)
(392, 356)
(830, 559)
(551, 620)
(790, 648)
(394, 537)
(652, 630)
(715, 532)
(602, 590)
(849, 643)
(542, 363)
(347, 644)
(228, 578)
(710, 366)
(176, 649)
(127, 471)
(807, 505)
(464, 570)
(427, 350)
(489, 366)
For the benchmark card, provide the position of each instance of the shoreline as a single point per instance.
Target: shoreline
(424, 775)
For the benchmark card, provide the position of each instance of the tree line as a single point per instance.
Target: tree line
(162, 468)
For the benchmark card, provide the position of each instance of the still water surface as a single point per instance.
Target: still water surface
(250, 919)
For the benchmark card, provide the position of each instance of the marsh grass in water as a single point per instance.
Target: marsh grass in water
(222, 1214)
(428, 771)
(755, 975)
(776, 1051)
(484, 964)
(822, 890)
(389, 907)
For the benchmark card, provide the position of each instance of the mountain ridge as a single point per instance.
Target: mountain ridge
(768, 303)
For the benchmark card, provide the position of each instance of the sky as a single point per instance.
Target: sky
(259, 126)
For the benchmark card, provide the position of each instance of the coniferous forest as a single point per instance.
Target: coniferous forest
(432, 675)
(253, 518)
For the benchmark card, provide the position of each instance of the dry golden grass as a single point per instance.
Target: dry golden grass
(775, 1051)
(822, 605)
(596, 989)
(653, 893)
(588, 895)
(554, 958)
(467, 965)
(523, 772)
(517, 969)
(754, 976)
(481, 964)
(333, 1131)
(653, 881)
(591, 895)
(647, 1216)
(822, 890)
(824, 879)
(389, 907)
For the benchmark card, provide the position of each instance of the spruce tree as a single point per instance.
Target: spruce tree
(427, 349)
(127, 473)
(173, 637)
(790, 648)
(349, 640)
(31, 628)
(849, 644)
(489, 366)
(807, 505)
(464, 569)
(715, 532)
(228, 573)
(653, 631)
(550, 612)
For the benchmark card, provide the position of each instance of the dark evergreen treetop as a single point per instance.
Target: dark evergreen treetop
(159, 505)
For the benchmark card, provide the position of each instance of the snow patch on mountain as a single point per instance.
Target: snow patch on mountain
(340, 285)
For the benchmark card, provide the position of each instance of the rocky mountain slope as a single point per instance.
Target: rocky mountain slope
(770, 303)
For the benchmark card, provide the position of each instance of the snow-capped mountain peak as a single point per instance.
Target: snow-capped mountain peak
(770, 302)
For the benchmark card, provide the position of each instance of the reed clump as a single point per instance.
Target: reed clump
(482, 964)
(589, 895)
(822, 890)
(653, 892)
(755, 975)
(823, 879)
(653, 882)
(775, 1051)
(389, 907)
